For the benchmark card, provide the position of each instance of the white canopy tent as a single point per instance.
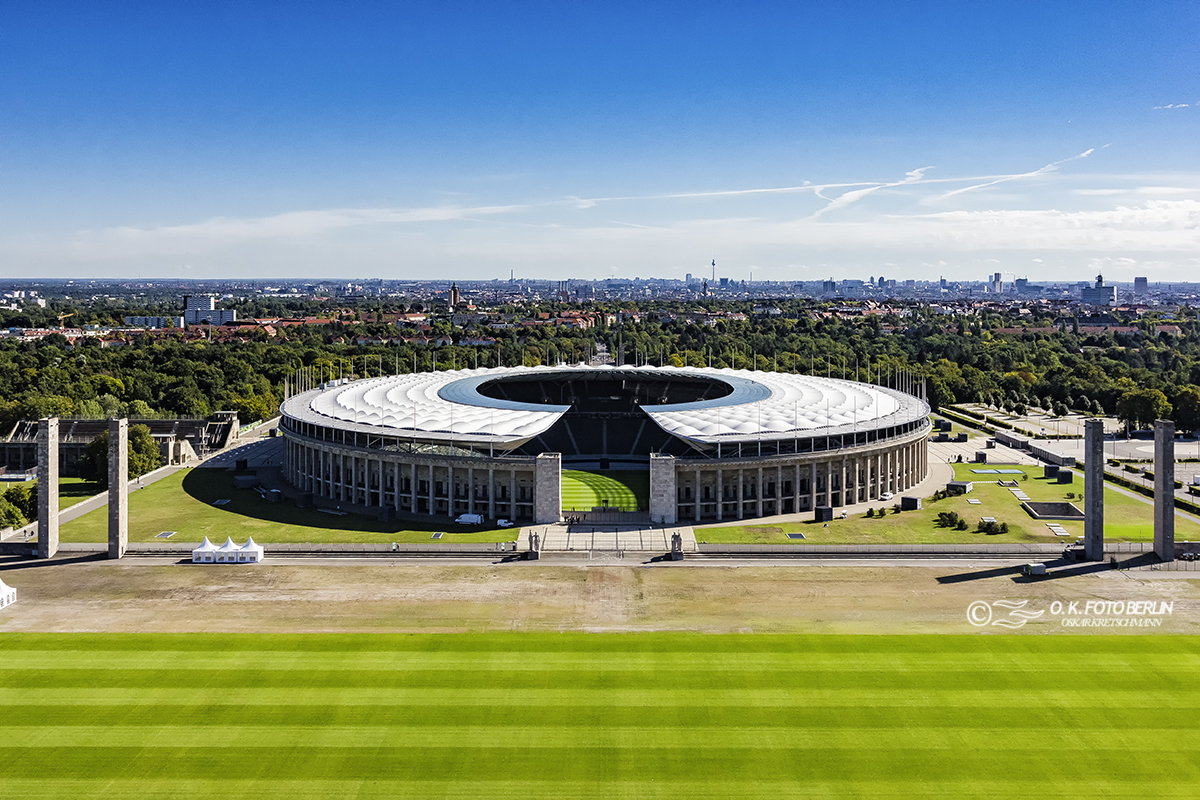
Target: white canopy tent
(8, 595)
(228, 552)
(251, 552)
(205, 553)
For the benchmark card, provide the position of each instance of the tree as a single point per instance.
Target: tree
(144, 455)
(10, 515)
(23, 497)
(1187, 409)
(1140, 407)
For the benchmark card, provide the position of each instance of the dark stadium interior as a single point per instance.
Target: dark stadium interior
(605, 420)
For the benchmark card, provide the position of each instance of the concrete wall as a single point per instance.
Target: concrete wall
(662, 489)
(118, 487)
(47, 487)
(1164, 489)
(547, 490)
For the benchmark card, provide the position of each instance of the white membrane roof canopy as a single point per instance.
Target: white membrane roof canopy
(448, 407)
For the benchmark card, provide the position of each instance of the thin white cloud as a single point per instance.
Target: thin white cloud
(294, 224)
(1170, 105)
(843, 200)
(1051, 167)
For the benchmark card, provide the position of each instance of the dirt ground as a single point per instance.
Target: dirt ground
(144, 595)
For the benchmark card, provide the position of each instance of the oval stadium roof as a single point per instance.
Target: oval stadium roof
(447, 406)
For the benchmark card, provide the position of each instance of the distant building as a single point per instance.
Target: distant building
(1099, 295)
(997, 286)
(201, 309)
(455, 296)
(155, 322)
(1141, 286)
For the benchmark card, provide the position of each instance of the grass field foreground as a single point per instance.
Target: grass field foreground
(184, 502)
(651, 715)
(1126, 519)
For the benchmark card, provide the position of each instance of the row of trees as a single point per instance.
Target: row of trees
(1138, 376)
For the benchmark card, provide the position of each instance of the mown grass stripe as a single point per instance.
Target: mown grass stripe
(1101, 714)
(412, 760)
(930, 679)
(1135, 742)
(539, 643)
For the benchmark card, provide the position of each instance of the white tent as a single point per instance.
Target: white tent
(227, 553)
(8, 595)
(251, 551)
(205, 553)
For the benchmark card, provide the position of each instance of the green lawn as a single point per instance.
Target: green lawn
(628, 490)
(183, 502)
(1125, 519)
(70, 490)
(597, 716)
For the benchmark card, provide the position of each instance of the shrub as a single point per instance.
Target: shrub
(948, 519)
(962, 525)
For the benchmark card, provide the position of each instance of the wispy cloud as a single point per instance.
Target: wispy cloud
(843, 200)
(1170, 105)
(1051, 167)
(295, 224)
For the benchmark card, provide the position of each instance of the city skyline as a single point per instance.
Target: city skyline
(791, 143)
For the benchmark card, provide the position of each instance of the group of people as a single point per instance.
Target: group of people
(574, 520)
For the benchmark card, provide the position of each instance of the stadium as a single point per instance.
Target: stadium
(715, 444)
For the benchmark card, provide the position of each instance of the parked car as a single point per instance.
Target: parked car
(886, 496)
(505, 523)
(470, 519)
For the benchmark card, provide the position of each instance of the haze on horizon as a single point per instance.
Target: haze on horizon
(794, 141)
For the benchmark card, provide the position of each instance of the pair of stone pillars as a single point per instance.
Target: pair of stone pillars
(118, 487)
(1164, 490)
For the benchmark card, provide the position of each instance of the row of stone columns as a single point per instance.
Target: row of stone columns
(118, 487)
(332, 473)
(867, 476)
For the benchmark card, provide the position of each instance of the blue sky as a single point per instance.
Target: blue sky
(789, 140)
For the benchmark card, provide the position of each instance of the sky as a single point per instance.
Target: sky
(786, 141)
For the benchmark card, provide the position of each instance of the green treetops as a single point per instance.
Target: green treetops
(1139, 408)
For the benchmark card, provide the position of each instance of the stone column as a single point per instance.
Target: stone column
(845, 488)
(796, 491)
(432, 492)
(512, 494)
(829, 483)
(470, 490)
(412, 488)
(118, 487)
(812, 486)
(779, 489)
(663, 490)
(741, 492)
(491, 493)
(720, 496)
(547, 488)
(1093, 490)
(1164, 489)
(758, 493)
(697, 493)
(47, 453)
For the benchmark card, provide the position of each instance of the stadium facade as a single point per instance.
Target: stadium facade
(719, 444)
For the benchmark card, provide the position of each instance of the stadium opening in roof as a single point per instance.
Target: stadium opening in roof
(719, 444)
